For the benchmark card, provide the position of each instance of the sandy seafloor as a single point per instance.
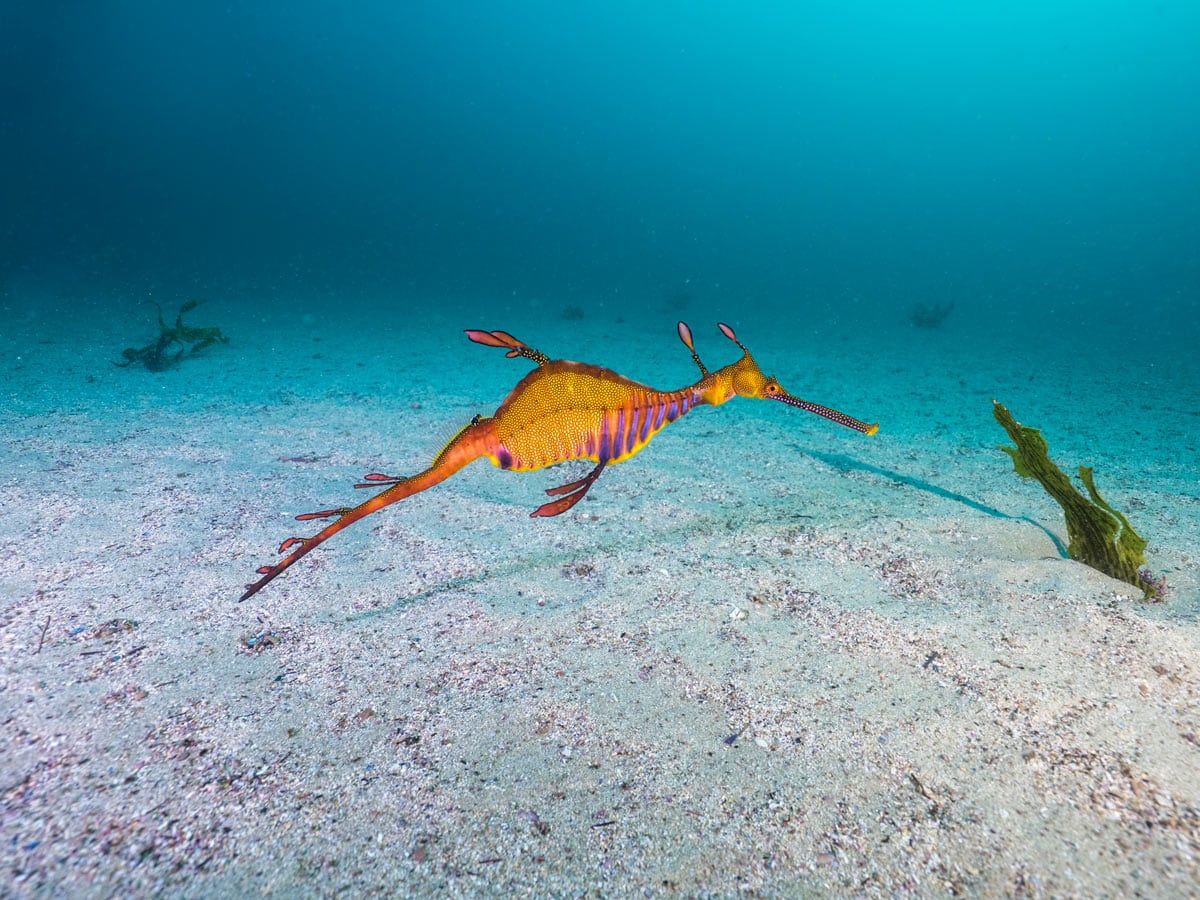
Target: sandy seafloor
(768, 655)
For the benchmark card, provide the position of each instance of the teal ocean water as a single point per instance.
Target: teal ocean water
(829, 163)
(769, 653)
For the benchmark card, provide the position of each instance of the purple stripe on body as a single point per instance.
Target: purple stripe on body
(660, 412)
(645, 433)
(631, 440)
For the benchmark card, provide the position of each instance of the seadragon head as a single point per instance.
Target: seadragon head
(744, 378)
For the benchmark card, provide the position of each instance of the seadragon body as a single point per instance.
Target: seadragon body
(560, 411)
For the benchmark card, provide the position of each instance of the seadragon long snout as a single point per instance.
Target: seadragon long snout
(832, 414)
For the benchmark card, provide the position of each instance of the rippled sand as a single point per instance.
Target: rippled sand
(768, 654)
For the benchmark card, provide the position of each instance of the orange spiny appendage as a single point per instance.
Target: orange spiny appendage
(568, 410)
(476, 440)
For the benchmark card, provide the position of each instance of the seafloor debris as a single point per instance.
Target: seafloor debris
(112, 628)
(930, 316)
(264, 639)
(174, 342)
(1097, 534)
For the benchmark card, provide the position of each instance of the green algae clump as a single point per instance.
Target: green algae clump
(1097, 535)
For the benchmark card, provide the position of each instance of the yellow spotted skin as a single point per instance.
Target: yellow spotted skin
(560, 411)
(568, 410)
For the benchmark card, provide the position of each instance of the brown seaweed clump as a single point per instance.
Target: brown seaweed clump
(174, 342)
(1097, 535)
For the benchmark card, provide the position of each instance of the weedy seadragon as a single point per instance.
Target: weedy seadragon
(560, 411)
